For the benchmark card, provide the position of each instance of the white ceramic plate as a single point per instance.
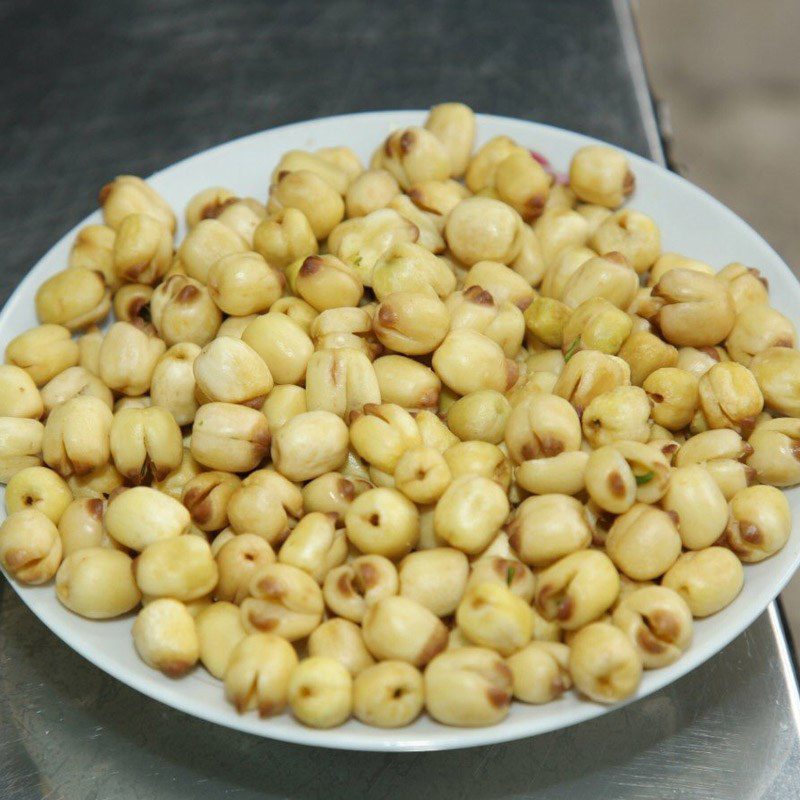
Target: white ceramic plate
(691, 222)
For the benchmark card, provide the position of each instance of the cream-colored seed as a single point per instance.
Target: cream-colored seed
(283, 403)
(325, 282)
(435, 578)
(309, 445)
(506, 571)
(407, 383)
(777, 371)
(131, 303)
(81, 525)
(128, 194)
(453, 124)
(589, 374)
(470, 513)
(165, 637)
(332, 493)
(267, 504)
(776, 446)
(321, 204)
(491, 615)
(467, 361)
(351, 589)
(603, 663)
(609, 276)
(340, 381)
(285, 236)
(183, 310)
(20, 445)
(208, 204)
(205, 244)
(19, 396)
(142, 249)
(411, 323)
(76, 436)
(30, 547)
(284, 600)
(522, 182)
(422, 474)
(479, 458)
(173, 384)
(388, 695)
(97, 583)
(243, 284)
(258, 672)
(145, 443)
(93, 250)
(577, 589)
(730, 397)
(381, 434)
(206, 496)
(667, 261)
(140, 516)
(229, 370)
(646, 353)
(631, 233)
(341, 640)
(238, 558)
(756, 329)
(468, 686)
(622, 414)
(43, 352)
(540, 672)
(321, 692)
(370, 191)
(760, 523)
(72, 382)
(546, 528)
(542, 426)
(504, 284)
(100, 482)
(697, 309)
(414, 154)
(383, 522)
(399, 628)
(283, 345)
(708, 580)
(315, 545)
(658, 623)
(482, 167)
(674, 395)
(561, 474)
(38, 488)
(483, 229)
(181, 567)
(600, 174)
(229, 437)
(644, 542)
(480, 415)
(127, 359)
(219, 631)
(76, 298)
(700, 506)
(747, 285)
(409, 267)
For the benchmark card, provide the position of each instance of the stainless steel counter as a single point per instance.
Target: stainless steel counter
(115, 87)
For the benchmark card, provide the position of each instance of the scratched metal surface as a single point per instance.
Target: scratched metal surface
(103, 88)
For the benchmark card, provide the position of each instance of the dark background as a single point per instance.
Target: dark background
(94, 89)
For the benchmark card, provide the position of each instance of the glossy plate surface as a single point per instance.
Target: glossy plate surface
(691, 222)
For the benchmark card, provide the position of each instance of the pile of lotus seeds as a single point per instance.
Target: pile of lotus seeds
(431, 436)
